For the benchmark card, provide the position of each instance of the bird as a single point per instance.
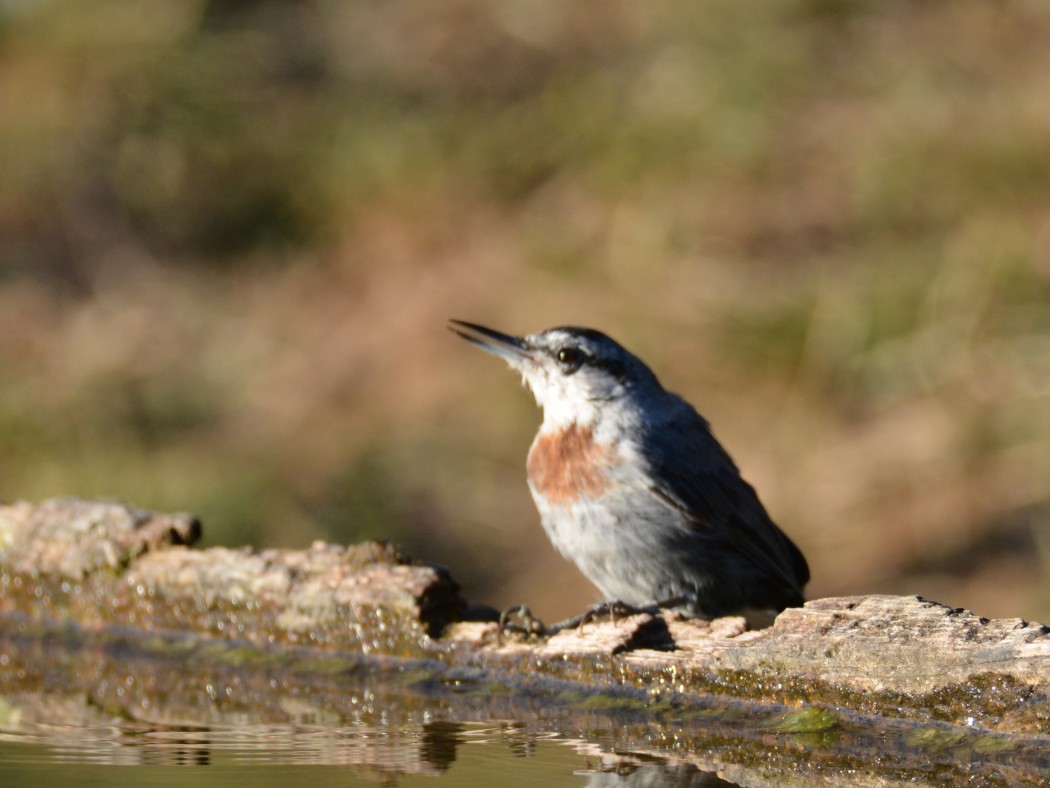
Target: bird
(633, 487)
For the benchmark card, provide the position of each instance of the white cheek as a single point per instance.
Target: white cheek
(537, 384)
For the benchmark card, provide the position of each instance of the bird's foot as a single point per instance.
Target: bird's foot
(612, 610)
(530, 626)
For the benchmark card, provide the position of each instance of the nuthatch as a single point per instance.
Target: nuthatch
(632, 486)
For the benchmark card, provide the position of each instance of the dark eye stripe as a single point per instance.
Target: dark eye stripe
(614, 367)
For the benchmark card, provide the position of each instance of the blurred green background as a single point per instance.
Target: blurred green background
(231, 234)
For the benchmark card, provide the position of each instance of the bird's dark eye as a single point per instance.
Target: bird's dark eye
(570, 358)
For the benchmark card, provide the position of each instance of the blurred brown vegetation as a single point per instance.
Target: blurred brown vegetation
(231, 233)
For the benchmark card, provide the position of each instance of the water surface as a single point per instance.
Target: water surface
(122, 710)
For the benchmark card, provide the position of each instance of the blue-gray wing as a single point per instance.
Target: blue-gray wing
(694, 475)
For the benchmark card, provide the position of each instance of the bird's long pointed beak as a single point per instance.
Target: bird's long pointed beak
(512, 349)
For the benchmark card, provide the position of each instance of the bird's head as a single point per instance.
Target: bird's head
(573, 372)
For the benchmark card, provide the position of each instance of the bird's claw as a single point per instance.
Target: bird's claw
(612, 610)
(530, 626)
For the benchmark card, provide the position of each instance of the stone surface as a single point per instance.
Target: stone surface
(900, 644)
(104, 566)
(73, 538)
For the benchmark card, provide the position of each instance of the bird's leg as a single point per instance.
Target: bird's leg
(613, 609)
(530, 625)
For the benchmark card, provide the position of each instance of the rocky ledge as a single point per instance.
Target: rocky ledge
(100, 568)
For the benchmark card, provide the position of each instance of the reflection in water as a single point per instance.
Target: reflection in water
(439, 743)
(74, 704)
(178, 746)
(656, 774)
(381, 755)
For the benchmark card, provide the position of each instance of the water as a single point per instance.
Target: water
(503, 753)
(461, 755)
(114, 711)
